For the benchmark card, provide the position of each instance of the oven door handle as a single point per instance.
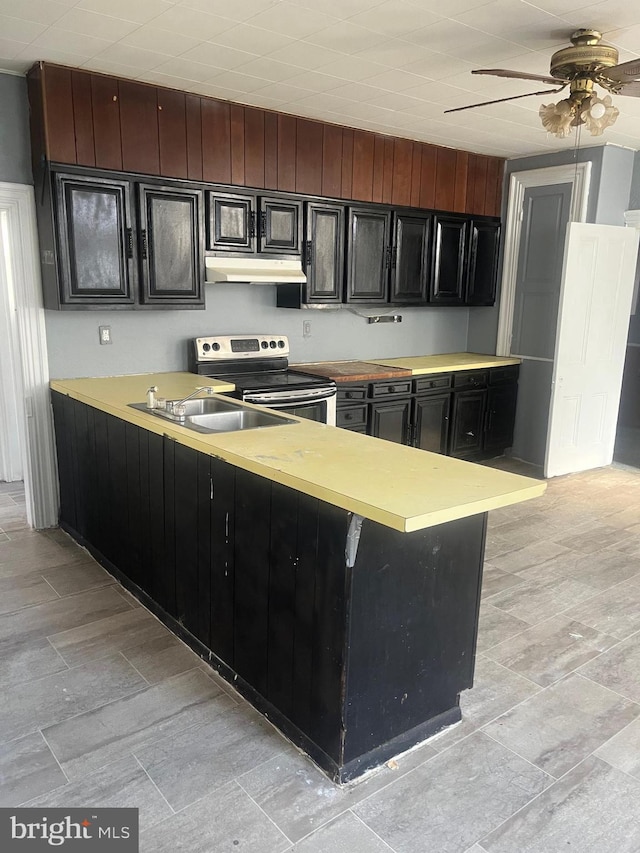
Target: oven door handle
(281, 398)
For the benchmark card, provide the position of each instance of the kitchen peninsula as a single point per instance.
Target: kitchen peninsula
(333, 577)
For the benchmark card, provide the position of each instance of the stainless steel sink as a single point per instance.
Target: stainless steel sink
(207, 415)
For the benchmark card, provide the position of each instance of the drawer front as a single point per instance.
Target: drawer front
(352, 417)
(351, 394)
(504, 375)
(388, 389)
(470, 379)
(435, 382)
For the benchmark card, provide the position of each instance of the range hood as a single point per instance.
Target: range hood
(254, 270)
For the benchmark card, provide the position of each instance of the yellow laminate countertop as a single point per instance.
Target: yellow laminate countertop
(401, 487)
(444, 362)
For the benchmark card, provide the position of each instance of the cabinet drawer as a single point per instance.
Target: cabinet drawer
(503, 375)
(352, 417)
(470, 379)
(387, 389)
(351, 394)
(435, 382)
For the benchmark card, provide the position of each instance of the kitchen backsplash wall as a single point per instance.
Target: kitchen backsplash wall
(156, 341)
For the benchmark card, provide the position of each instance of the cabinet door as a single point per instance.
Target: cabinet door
(501, 415)
(449, 254)
(431, 422)
(410, 259)
(368, 255)
(467, 425)
(324, 252)
(280, 226)
(171, 245)
(94, 240)
(231, 225)
(390, 420)
(483, 263)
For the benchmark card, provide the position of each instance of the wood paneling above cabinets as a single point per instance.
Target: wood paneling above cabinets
(87, 119)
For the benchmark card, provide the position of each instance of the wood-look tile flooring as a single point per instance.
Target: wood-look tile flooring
(101, 705)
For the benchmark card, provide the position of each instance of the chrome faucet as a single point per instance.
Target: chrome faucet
(177, 406)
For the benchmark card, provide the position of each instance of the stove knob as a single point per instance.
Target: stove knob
(281, 344)
(264, 345)
(206, 347)
(272, 344)
(215, 347)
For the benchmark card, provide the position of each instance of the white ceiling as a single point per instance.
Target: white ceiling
(390, 66)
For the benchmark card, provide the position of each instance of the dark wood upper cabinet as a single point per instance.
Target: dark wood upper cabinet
(368, 255)
(139, 128)
(94, 240)
(323, 254)
(448, 260)
(280, 226)
(170, 240)
(231, 221)
(410, 261)
(483, 262)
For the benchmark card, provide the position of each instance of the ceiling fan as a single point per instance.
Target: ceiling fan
(586, 63)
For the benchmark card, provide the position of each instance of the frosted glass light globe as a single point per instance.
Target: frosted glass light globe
(598, 110)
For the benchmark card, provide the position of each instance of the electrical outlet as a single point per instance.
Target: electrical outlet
(105, 334)
(306, 328)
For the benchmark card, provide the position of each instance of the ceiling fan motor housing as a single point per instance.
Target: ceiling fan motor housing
(586, 55)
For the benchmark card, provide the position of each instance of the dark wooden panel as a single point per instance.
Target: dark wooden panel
(378, 168)
(282, 596)
(251, 623)
(222, 559)
(347, 162)
(460, 188)
(172, 133)
(133, 497)
(286, 152)
(416, 174)
(363, 154)
(216, 141)
(139, 127)
(271, 151)
(166, 584)
(387, 176)
(101, 476)
(204, 500)
(303, 673)
(402, 162)
(493, 194)
(445, 178)
(236, 118)
(83, 118)
(58, 106)
(65, 459)
(254, 160)
(309, 140)
(106, 122)
(332, 160)
(479, 184)
(145, 570)
(117, 493)
(428, 176)
(77, 421)
(194, 137)
(37, 131)
(185, 495)
(157, 533)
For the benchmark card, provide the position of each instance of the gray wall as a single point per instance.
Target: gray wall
(15, 154)
(156, 340)
(634, 195)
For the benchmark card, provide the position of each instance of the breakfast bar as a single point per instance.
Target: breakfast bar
(333, 578)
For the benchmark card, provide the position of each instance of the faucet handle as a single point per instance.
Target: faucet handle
(151, 397)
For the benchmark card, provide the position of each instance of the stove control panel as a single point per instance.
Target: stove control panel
(232, 347)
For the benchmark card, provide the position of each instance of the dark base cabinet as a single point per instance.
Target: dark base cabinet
(353, 638)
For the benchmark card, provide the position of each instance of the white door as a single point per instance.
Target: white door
(593, 319)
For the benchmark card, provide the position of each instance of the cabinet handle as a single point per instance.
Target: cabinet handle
(387, 257)
(263, 223)
(143, 243)
(129, 243)
(252, 224)
(308, 249)
(394, 257)
(348, 416)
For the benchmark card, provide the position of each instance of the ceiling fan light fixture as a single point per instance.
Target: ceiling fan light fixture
(557, 118)
(598, 114)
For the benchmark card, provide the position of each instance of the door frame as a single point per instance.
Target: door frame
(29, 362)
(577, 174)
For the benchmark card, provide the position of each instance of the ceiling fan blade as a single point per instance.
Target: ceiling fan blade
(630, 89)
(501, 100)
(517, 75)
(625, 71)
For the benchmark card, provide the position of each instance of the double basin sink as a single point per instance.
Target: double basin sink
(207, 415)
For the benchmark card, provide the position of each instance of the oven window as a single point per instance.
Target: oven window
(311, 411)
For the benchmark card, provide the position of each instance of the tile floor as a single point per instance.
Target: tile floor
(101, 705)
